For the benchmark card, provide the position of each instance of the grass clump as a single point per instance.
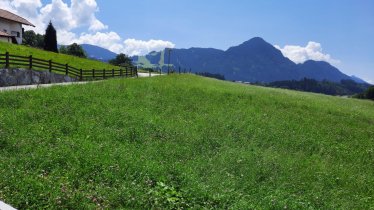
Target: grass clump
(183, 141)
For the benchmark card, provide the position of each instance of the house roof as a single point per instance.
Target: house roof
(13, 17)
(4, 34)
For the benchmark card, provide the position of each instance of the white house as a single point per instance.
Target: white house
(11, 27)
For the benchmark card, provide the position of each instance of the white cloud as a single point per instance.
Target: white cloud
(109, 40)
(25, 8)
(140, 47)
(65, 17)
(60, 14)
(65, 37)
(312, 51)
(69, 15)
(96, 25)
(86, 10)
(28, 7)
(112, 41)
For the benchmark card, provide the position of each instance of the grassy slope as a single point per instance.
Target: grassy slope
(145, 62)
(59, 58)
(184, 141)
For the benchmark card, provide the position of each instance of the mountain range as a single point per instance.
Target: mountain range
(98, 53)
(252, 61)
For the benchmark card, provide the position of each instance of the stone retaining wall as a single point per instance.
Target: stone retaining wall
(14, 77)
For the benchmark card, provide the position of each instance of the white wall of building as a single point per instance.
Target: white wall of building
(12, 28)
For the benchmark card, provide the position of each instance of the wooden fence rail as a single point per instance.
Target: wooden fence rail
(30, 62)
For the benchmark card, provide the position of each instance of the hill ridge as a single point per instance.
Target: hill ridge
(254, 60)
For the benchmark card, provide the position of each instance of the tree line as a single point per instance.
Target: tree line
(48, 42)
(344, 87)
(368, 94)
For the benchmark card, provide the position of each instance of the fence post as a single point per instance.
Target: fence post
(160, 71)
(136, 71)
(149, 72)
(66, 69)
(30, 62)
(126, 72)
(81, 74)
(130, 71)
(112, 72)
(93, 73)
(121, 72)
(7, 60)
(50, 65)
(104, 73)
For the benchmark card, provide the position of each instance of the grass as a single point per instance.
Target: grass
(145, 62)
(183, 141)
(56, 57)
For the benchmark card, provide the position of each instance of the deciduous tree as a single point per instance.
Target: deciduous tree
(121, 60)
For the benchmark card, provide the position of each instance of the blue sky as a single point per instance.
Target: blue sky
(340, 31)
(345, 28)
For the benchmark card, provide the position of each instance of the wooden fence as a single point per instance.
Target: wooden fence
(83, 74)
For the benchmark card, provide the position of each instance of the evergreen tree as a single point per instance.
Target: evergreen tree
(50, 39)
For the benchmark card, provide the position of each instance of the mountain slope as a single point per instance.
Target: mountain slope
(254, 61)
(320, 70)
(257, 60)
(98, 53)
(358, 80)
(184, 142)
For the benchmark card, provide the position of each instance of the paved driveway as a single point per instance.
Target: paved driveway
(24, 87)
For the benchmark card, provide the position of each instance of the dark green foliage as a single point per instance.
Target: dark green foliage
(73, 49)
(368, 94)
(207, 74)
(345, 87)
(121, 60)
(32, 39)
(63, 50)
(184, 142)
(50, 39)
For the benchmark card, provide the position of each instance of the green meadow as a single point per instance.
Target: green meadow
(184, 142)
(79, 63)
